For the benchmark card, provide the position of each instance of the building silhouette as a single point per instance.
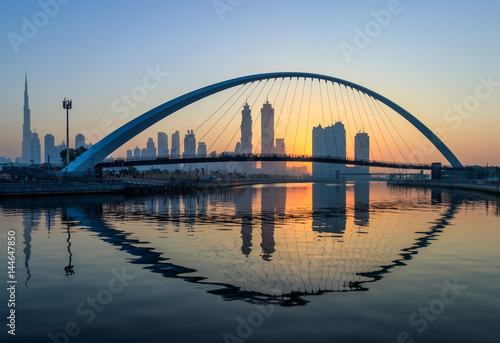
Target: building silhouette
(137, 152)
(280, 150)
(267, 135)
(50, 150)
(26, 144)
(189, 144)
(175, 151)
(244, 146)
(162, 144)
(329, 142)
(362, 151)
(150, 148)
(80, 141)
(202, 149)
(35, 148)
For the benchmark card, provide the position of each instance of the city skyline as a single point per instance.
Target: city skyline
(450, 106)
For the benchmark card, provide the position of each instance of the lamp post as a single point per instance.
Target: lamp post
(67, 106)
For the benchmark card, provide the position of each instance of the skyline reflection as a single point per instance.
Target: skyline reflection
(320, 250)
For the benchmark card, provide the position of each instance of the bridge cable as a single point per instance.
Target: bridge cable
(261, 90)
(346, 116)
(369, 121)
(281, 112)
(238, 129)
(240, 88)
(300, 111)
(260, 137)
(331, 114)
(210, 147)
(404, 141)
(379, 129)
(363, 128)
(258, 116)
(323, 115)
(390, 133)
(308, 114)
(291, 108)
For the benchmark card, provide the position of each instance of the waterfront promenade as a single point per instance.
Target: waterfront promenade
(471, 185)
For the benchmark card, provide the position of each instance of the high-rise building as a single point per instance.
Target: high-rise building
(26, 144)
(162, 144)
(189, 144)
(202, 149)
(246, 130)
(175, 151)
(151, 148)
(144, 152)
(329, 142)
(244, 146)
(362, 150)
(267, 129)
(50, 150)
(80, 141)
(137, 151)
(129, 154)
(280, 150)
(267, 135)
(35, 148)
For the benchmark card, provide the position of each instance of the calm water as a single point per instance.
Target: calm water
(355, 262)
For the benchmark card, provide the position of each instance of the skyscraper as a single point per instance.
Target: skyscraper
(137, 151)
(267, 135)
(189, 144)
(362, 150)
(162, 144)
(150, 148)
(80, 141)
(246, 130)
(175, 151)
(329, 141)
(202, 149)
(26, 144)
(35, 148)
(50, 150)
(280, 150)
(245, 146)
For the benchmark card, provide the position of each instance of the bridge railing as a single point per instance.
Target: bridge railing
(298, 157)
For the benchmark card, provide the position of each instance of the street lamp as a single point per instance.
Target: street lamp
(67, 106)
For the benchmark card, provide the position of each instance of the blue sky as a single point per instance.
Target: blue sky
(428, 58)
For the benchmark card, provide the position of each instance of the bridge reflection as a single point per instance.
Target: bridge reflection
(338, 242)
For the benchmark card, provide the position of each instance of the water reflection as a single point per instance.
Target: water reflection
(336, 244)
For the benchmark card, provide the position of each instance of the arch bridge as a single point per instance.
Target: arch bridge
(114, 140)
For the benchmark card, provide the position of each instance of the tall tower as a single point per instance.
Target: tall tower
(50, 149)
(175, 151)
(246, 130)
(362, 150)
(35, 148)
(267, 135)
(189, 144)
(162, 144)
(246, 146)
(329, 141)
(26, 144)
